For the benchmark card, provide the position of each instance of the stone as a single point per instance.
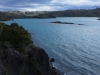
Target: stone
(52, 60)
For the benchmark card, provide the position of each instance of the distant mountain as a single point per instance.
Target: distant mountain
(9, 15)
(77, 13)
(44, 16)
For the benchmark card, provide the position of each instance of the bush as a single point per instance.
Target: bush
(16, 35)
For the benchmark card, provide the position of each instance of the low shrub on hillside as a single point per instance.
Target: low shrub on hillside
(16, 35)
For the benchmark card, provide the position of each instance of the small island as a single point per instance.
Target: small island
(59, 22)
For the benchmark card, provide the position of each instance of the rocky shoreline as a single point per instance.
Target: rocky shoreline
(57, 71)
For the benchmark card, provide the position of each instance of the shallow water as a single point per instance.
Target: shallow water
(76, 48)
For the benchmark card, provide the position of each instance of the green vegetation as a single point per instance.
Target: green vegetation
(16, 35)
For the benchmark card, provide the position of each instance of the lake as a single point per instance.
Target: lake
(76, 48)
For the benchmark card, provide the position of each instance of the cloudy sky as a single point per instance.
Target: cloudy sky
(46, 5)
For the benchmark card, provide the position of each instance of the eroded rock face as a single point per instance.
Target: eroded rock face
(33, 62)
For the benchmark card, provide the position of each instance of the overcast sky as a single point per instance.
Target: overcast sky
(46, 5)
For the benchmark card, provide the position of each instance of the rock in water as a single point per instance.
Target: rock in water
(52, 60)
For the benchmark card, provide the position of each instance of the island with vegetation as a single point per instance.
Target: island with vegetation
(18, 54)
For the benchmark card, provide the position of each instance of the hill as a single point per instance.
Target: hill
(77, 13)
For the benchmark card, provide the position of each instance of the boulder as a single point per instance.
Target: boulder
(52, 60)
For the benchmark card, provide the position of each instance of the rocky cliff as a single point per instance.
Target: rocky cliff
(34, 61)
(18, 55)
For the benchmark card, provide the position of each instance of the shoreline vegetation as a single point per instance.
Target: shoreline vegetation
(19, 55)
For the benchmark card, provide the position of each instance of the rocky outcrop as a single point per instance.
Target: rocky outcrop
(34, 61)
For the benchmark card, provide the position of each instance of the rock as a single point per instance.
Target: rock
(57, 22)
(53, 68)
(69, 23)
(34, 62)
(80, 24)
(56, 71)
(52, 60)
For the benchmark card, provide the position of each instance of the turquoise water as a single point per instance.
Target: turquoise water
(76, 48)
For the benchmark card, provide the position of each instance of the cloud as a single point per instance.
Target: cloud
(5, 2)
(77, 2)
(46, 5)
(30, 6)
(39, 7)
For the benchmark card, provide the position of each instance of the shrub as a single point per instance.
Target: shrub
(16, 35)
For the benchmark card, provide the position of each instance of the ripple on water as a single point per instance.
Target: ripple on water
(74, 56)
